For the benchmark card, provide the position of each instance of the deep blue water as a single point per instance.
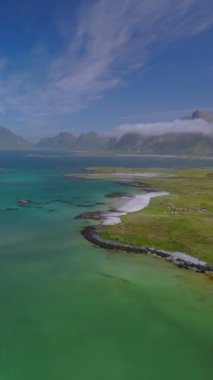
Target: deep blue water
(24, 160)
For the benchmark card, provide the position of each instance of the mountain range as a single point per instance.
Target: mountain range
(193, 143)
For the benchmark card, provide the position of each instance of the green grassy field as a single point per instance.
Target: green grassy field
(181, 221)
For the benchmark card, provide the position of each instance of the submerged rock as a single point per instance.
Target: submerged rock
(24, 202)
(90, 204)
(59, 200)
(119, 195)
(11, 209)
(96, 215)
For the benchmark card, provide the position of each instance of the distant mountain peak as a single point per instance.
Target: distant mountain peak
(63, 140)
(9, 140)
(201, 114)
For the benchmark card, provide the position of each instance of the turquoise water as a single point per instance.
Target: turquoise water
(69, 310)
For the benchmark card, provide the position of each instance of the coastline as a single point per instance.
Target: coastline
(134, 204)
(180, 259)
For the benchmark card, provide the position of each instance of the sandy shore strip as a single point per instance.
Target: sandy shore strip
(138, 203)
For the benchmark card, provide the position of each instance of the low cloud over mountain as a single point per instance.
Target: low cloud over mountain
(186, 125)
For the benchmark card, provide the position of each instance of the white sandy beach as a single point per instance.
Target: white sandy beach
(139, 202)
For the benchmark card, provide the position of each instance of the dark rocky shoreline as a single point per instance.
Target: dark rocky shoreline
(92, 234)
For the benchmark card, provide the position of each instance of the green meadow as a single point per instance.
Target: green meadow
(181, 221)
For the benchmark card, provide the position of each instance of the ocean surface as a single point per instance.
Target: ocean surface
(69, 310)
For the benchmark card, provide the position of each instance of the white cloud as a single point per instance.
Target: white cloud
(157, 129)
(111, 39)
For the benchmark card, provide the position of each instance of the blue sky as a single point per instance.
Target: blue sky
(82, 65)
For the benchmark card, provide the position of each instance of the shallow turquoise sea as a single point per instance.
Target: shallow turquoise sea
(69, 310)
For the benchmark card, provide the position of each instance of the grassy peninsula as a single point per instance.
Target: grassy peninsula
(181, 221)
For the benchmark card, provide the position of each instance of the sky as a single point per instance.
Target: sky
(82, 65)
